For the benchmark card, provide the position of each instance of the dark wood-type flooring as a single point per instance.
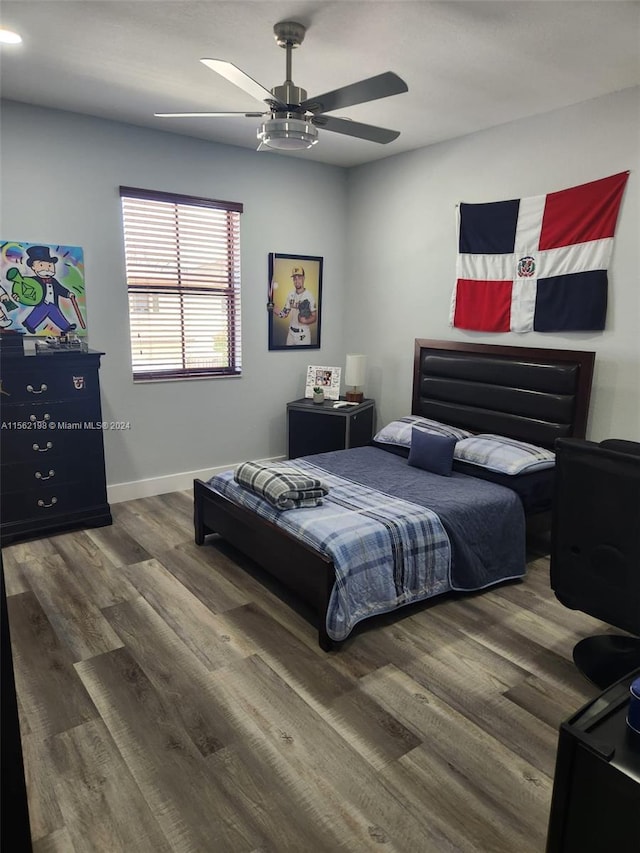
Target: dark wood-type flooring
(169, 701)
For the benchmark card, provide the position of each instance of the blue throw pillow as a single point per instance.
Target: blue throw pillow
(432, 452)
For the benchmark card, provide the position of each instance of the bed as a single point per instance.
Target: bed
(475, 523)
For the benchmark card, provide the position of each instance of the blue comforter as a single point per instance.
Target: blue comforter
(484, 521)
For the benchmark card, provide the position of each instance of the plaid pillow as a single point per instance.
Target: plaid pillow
(504, 455)
(399, 432)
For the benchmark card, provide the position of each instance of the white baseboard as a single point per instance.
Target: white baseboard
(118, 492)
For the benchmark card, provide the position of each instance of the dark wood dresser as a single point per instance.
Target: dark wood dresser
(52, 473)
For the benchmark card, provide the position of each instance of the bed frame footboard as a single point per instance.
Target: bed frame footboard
(297, 566)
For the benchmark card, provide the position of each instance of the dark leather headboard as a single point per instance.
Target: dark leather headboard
(531, 394)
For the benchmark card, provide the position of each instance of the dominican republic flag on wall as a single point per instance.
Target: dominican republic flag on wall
(537, 264)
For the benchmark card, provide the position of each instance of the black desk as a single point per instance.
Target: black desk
(596, 792)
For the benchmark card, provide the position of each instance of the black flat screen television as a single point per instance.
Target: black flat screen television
(595, 805)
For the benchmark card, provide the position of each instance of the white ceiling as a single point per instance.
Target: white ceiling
(468, 65)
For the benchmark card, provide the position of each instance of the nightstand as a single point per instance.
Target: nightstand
(318, 427)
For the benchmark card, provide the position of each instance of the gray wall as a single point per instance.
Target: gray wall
(402, 246)
(387, 234)
(60, 178)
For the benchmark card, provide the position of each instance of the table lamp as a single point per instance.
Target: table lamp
(354, 376)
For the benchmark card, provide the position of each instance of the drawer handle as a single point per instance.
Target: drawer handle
(54, 501)
(48, 446)
(32, 390)
(48, 476)
(34, 418)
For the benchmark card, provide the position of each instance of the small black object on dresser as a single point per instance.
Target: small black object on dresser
(319, 427)
(52, 474)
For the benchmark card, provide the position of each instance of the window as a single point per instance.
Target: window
(183, 278)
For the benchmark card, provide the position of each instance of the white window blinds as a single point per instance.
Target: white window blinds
(183, 278)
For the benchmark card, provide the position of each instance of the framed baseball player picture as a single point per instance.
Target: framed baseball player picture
(294, 301)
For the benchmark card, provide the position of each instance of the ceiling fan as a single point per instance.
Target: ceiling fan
(293, 118)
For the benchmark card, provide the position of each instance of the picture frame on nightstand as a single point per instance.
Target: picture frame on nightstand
(327, 378)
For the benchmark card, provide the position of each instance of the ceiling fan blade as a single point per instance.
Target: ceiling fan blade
(355, 128)
(357, 93)
(234, 75)
(208, 115)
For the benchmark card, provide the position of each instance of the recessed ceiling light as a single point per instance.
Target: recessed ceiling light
(9, 37)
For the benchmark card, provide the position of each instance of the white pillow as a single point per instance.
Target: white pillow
(399, 432)
(504, 455)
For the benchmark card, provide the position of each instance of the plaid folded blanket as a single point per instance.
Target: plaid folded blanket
(283, 486)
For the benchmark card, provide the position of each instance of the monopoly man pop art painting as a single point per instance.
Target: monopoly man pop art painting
(42, 289)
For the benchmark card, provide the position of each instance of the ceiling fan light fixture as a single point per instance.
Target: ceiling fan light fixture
(287, 134)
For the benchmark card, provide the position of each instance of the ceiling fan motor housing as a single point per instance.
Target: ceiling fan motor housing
(289, 94)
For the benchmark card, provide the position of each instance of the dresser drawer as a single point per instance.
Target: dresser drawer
(39, 385)
(41, 415)
(47, 500)
(48, 444)
(52, 470)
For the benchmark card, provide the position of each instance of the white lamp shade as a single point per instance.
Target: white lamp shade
(355, 369)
